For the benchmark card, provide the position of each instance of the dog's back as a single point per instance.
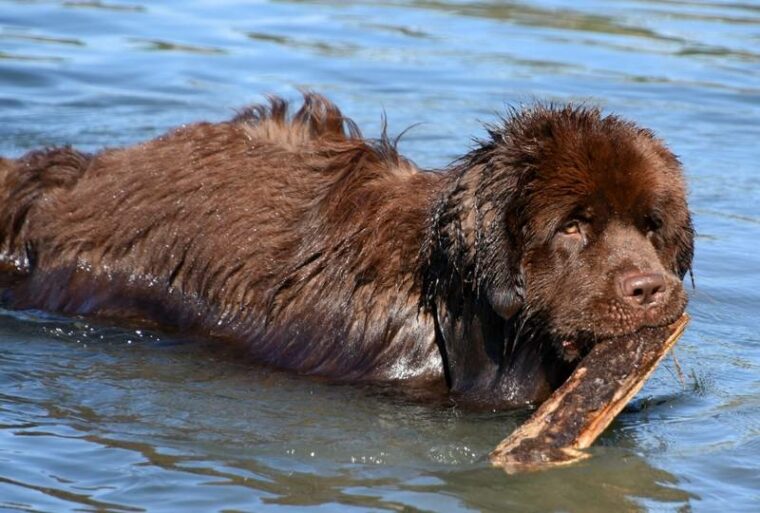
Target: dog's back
(293, 235)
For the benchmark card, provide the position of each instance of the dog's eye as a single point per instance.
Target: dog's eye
(571, 228)
(653, 223)
(652, 226)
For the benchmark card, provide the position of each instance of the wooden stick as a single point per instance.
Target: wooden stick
(582, 408)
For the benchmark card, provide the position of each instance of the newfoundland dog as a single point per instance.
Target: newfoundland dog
(332, 255)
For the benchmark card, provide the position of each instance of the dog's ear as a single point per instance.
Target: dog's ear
(684, 244)
(504, 300)
(500, 201)
(500, 272)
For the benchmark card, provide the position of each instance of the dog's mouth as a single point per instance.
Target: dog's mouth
(574, 348)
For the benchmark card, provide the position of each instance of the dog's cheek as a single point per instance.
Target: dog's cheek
(566, 285)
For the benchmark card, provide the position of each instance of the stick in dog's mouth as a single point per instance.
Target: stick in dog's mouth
(581, 409)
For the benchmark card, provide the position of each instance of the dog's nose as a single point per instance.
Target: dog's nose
(642, 288)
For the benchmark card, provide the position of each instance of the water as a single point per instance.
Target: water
(94, 418)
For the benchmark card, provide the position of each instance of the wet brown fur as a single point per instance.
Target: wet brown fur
(328, 254)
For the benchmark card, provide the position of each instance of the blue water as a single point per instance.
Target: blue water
(95, 418)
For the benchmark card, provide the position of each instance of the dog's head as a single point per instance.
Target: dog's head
(585, 226)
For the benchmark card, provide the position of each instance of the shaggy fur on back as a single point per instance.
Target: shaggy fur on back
(328, 254)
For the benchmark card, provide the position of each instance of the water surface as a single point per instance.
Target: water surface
(95, 418)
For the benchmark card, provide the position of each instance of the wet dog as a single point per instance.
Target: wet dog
(329, 254)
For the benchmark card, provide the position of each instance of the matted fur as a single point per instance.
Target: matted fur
(329, 254)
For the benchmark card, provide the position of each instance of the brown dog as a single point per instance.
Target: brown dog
(327, 254)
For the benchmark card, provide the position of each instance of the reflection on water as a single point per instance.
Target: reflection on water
(98, 418)
(124, 420)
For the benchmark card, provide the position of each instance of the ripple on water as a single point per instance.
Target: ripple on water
(100, 418)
